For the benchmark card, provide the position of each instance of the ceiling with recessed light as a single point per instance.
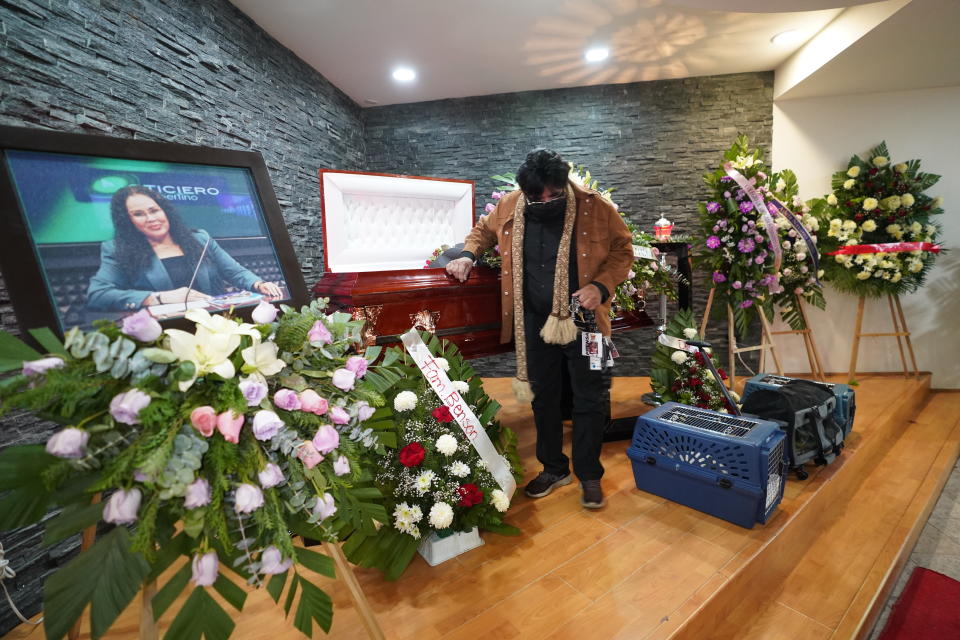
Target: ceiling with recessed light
(461, 48)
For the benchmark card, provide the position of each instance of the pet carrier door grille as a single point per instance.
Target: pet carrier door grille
(709, 421)
(728, 459)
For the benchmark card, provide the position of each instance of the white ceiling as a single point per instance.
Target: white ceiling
(479, 47)
(916, 48)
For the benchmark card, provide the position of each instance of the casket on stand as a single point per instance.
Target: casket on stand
(379, 231)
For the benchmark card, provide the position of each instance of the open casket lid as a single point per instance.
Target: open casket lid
(385, 222)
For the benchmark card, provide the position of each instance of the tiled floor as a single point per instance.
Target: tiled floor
(938, 547)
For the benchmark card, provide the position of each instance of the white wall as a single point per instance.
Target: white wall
(816, 137)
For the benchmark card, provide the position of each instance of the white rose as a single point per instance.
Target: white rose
(499, 500)
(801, 256)
(848, 184)
(831, 199)
(907, 200)
(461, 386)
(689, 333)
(869, 204)
(405, 401)
(679, 357)
(441, 515)
(853, 171)
(880, 161)
(869, 225)
(446, 444)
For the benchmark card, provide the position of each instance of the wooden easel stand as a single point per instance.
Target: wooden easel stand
(813, 354)
(900, 332)
(766, 340)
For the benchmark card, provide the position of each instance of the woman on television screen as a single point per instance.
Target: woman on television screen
(154, 258)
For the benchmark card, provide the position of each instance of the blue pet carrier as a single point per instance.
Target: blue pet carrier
(728, 466)
(846, 407)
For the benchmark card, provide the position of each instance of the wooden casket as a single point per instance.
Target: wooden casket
(380, 231)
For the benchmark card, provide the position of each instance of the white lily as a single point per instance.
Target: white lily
(208, 351)
(221, 325)
(261, 358)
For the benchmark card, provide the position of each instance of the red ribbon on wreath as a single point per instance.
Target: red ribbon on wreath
(886, 247)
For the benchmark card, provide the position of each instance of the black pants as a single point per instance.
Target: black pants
(545, 364)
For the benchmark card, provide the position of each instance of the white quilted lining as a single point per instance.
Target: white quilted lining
(385, 223)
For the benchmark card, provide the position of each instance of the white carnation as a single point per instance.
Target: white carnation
(869, 225)
(499, 500)
(907, 200)
(461, 386)
(937, 202)
(441, 515)
(446, 444)
(880, 161)
(442, 363)
(459, 469)
(831, 199)
(679, 357)
(869, 204)
(405, 401)
(849, 184)
(916, 227)
(900, 167)
(853, 171)
(690, 333)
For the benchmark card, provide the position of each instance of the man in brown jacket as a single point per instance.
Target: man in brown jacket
(557, 239)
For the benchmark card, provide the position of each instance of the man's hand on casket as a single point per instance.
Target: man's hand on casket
(589, 296)
(460, 268)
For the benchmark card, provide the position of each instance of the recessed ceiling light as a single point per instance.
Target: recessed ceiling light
(404, 74)
(791, 36)
(597, 54)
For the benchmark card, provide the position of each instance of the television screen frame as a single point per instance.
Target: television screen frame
(23, 273)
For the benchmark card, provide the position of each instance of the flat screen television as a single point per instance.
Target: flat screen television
(98, 228)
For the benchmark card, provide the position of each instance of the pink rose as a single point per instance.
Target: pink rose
(364, 411)
(41, 366)
(339, 416)
(253, 391)
(68, 443)
(319, 334)
(357, 364)
(228, 424)
(341, 466)
(205, 569)
(312, 402)
(264, 313)
(125, 407)
(272, 563)
(327, 439)
(266, 424)
(198, 494)
(287, 399)
(248, 498)
(309, 455)
(344, 379)
(325, 506)
(204, 420)
(141, 326)
(122, 507)
(271, 476)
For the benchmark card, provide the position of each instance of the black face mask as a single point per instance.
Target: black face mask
(549, 209)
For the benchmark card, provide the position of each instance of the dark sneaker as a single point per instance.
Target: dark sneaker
(544, 483)
(592, 494)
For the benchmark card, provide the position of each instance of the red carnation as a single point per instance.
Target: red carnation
(442, 413)
(470, 495)
(723, 374)
(412, 454)
(695, 382)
